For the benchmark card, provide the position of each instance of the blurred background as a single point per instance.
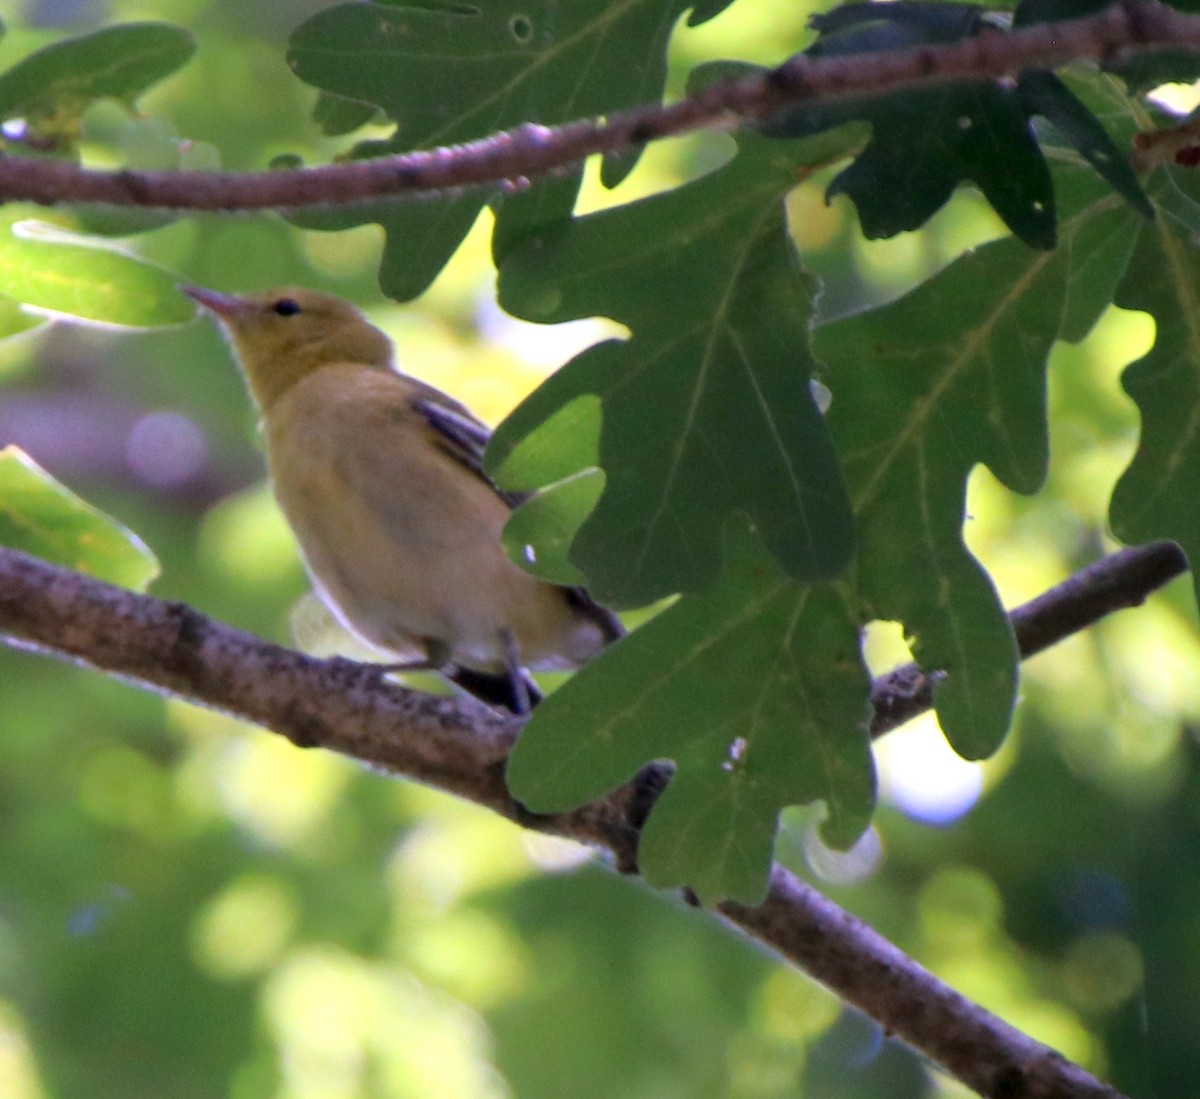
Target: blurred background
(190, 907)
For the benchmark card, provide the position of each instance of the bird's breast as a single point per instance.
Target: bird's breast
(401, 539)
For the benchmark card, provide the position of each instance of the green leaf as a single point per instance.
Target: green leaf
(925, 143)
(565, 443)
(146, 144)
(1180, 203)
(754, 689)
(565, 449)
(449, 72)
(420, 237)
(911, 418)
(14, 319)
(707, 408)
(852, 27)
(47, 268)
(539, 534)
(1146, 70)
(337, 115)
(1044, 11)
(1156, 496)
(41, 517)
(1048, 96)
(1096, 272)
(53, 86)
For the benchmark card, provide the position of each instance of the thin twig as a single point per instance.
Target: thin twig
(461, 746)
(1172, 145)
(531, 151)
(1122, 579)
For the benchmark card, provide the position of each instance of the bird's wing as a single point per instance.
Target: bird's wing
(464, 438)
(461, 436)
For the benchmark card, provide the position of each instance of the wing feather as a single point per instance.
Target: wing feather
(465, 438)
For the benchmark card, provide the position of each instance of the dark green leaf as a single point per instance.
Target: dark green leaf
(40, 516)
(55, 84)
(911, 418)
(1156, 496)
(1046, 11)
(924, 144)
(706, 10)
(337, 115)
(1048, 96)
(1041, 11)
(1103, 240)
(1180, 203)
(855, 27)
(1147, 69)
(707, 409)
(446, 73)
(755, 690)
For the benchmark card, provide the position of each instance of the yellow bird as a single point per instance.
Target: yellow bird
(381, 479)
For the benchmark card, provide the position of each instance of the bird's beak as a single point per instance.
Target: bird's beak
(224, 306)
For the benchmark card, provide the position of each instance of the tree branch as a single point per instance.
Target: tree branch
(1123, 579)
(531, 151)
(979, 1049)
(461, 746)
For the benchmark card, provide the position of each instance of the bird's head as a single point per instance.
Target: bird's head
(279, 336)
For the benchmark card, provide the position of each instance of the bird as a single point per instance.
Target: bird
(380, 477)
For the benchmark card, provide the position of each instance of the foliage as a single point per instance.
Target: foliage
(45, 519)
(690, 458)
(49, 90)
(536, 63)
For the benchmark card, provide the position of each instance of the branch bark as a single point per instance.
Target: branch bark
(1123, 579)
(531, 151)
(461, 746)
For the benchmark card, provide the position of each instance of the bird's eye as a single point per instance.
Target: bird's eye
(286, 307)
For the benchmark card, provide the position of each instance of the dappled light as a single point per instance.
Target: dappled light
(165, 449)
(19, 1076)
(192, 906)
(922, 776)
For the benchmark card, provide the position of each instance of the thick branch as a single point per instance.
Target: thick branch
(461, 747)
(837, 949)
(531, 151)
